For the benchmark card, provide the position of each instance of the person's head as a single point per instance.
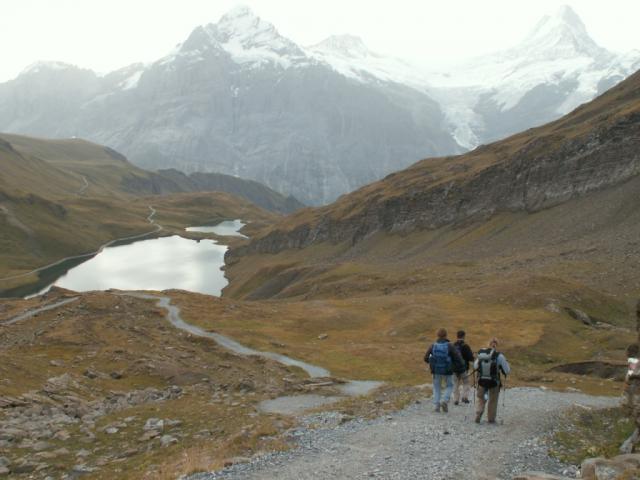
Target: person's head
(493, 343)
(441, 334)
(633, 350)
(461, 334)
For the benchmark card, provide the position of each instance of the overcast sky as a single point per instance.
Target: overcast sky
(107, 34)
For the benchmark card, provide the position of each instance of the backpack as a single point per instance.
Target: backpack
(440, 360)
(488, 373)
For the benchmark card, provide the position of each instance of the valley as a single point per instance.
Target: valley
(162, 324)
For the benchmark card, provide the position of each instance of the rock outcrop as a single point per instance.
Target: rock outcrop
(594, 148)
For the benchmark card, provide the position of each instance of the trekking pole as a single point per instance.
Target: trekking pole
(504, 395)
(475, 392)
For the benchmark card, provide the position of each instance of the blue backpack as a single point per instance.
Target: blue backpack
(440, 360)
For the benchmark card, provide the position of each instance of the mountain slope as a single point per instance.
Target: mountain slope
(532, 239)
(594, 147)
(77, 166)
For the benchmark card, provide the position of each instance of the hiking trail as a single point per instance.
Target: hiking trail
(414, 443)
(417, 443)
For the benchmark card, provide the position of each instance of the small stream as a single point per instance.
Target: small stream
(288, 405)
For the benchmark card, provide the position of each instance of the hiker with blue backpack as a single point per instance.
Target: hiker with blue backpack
(489, 365)
(443, 360)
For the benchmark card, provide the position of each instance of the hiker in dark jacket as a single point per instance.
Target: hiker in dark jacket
(442, 358)
(461, 379)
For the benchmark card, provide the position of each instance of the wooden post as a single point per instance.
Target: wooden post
(638, 320)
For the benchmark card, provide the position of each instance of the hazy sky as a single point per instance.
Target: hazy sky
(108, 34)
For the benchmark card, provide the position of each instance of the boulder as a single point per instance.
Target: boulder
(154, 424)
(622, 466)
(167, 440)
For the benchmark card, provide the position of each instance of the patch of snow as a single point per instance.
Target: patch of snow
(349, 56)
(132, 81)
(46, 65)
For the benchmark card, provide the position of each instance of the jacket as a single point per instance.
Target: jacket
(465, 351)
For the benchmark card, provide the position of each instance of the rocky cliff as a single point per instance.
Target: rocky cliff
(595, 147)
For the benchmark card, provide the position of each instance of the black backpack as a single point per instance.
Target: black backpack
(459, 365)
(488, 372)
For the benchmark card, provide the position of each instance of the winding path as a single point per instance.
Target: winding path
(84, 187)
(292, 404)
(35, 311)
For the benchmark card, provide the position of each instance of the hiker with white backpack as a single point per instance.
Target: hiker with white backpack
(443, 360)
(489, 365)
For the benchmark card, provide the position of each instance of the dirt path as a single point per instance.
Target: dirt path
(417, 443)
(291, 404)
(84, 186)
(35, 311)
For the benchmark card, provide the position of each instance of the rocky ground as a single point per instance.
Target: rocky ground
(101, 383)
(417, 443)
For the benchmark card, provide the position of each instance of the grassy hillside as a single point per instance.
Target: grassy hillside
(95, 170)
(533, 239)
(61, 198)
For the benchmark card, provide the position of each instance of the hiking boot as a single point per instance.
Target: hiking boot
(478, 417)
(465, 400)
(437, 409)
(445, 407)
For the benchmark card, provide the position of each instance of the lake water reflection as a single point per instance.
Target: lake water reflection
(156, 264)
(228, 228)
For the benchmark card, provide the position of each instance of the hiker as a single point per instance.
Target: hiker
(442, 358)
(489, 364)
(461, 382)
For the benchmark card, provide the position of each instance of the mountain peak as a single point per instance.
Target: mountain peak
(567, 15)
(238, 13)
(243, 24)
(346, 45)
(562, 35)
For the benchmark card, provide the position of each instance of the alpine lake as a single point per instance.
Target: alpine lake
(154, 264)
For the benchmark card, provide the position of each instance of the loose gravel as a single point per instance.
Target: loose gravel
(418, 443)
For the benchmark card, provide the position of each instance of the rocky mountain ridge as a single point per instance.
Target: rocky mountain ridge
(595, 147)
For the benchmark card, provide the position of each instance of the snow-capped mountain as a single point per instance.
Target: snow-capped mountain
(245, 37)
(237, 97)
(556, 68)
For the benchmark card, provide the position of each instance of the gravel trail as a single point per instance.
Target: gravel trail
(417, 443)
